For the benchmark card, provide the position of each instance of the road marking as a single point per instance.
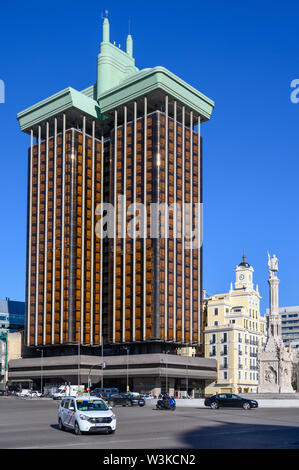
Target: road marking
(85, 442)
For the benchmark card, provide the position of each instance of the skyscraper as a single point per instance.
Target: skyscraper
(129, 141)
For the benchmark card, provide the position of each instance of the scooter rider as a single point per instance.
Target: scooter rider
(164, 402)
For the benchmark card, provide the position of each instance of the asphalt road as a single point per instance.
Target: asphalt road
(32, 424)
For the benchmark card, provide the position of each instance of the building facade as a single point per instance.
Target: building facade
(11, 346)
(99, 161)
(234, 329)
(12, 316)
(289, 326)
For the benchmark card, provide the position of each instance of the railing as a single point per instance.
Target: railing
(223, 366)
(223, 353)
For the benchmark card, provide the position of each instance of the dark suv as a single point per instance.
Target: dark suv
(126, 399)
(230, 400)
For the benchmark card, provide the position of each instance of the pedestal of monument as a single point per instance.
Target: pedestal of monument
(275, 369)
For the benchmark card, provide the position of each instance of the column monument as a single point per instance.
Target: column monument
(275, 362)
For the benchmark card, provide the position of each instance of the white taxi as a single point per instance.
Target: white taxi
(86, 414)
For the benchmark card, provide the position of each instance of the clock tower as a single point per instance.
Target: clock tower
(244, 275)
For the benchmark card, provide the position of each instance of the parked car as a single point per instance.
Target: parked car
(104, 393)
(126, 399)
(230, 400)
(86, 414)
(146, 396)
(34, 394)
(24, 393)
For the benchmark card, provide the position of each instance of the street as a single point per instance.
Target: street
(32, 424)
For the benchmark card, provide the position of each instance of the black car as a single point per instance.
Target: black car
(230, 400)
(126, 399)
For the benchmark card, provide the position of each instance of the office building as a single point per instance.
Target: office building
(289, 325)
(132, 139)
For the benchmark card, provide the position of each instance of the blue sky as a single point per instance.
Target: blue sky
(242, 55)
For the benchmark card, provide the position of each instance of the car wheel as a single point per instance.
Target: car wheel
(246, 406)
(111, 431)
(60, 425)
(77, 429)
(214, 405)
(141, 404)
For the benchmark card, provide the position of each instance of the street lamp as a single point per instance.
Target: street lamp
(166, 377)
(187, 377)
(128, 350)
(41, 369)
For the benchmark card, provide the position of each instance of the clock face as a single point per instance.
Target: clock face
(241, 277)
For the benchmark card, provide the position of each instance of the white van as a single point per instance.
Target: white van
(68, 390)
(24, 393)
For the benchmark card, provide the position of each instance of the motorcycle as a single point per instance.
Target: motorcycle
(161, 405)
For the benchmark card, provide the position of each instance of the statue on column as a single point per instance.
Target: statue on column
(275, 362)
(273, 266)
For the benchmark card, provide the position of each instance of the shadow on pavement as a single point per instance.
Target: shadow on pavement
(237, 436)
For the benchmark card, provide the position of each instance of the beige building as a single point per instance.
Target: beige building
(10, 348)
(233, 331)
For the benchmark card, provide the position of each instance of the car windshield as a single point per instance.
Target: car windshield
(91, 405)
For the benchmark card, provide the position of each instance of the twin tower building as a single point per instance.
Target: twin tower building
(132, 136)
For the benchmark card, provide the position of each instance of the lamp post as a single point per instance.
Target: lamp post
(41, 369)
(166, 377)
(79, 330)
(128, 351)
(102, 380)
(187, 376)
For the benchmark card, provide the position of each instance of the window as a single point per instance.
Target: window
(225, 375)
(66, 403)
(215, 323)
(72, 405)
(216, 311)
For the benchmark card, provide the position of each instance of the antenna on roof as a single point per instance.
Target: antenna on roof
(106, 13)
(129, 27)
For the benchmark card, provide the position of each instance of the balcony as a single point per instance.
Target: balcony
(240, 352)
(224, 353)
(224, 366)
(240, 366)
(213, 354)
(223, 340)
(253, 354)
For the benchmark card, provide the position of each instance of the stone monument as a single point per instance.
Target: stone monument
(275, 362)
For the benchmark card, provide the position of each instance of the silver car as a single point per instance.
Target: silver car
(86, 414)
